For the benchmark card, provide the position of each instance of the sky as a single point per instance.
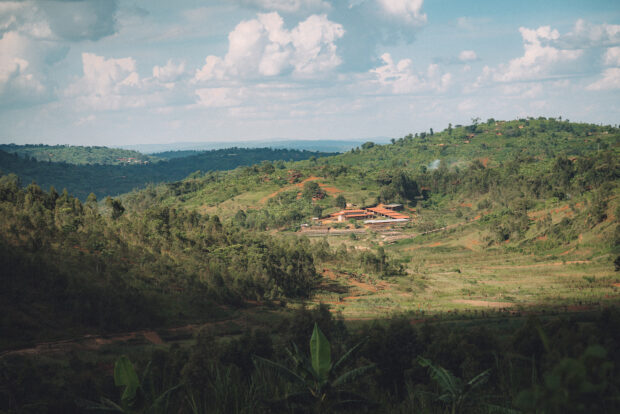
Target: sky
(107, 72)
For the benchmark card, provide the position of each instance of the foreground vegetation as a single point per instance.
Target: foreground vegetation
(550, 364)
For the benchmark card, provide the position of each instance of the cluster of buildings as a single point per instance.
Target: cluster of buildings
(379, 214)
(131, 160)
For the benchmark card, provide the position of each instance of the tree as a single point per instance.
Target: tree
(340, 201)
(312, 189)
(317, 211)
(116, 206)
(316, 376)
(368, 145)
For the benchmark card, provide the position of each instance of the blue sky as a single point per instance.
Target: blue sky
(133, 72)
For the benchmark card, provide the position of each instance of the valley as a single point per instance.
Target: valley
(480, 247)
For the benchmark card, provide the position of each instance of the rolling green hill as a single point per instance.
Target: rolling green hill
(372, 173)
(78, 155)
(505, 278)
(103, 180)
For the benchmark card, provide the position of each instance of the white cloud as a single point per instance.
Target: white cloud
(586, 34)
(314, 47)
(408, 10)
(35, 34)
(401, 78)
(467, 56)
(540, 59)
(107, 84)
(522, 90)
(220, 97)
(610, 80)
(170, 72)
(263, 47)
(60, 20)
(466, 23)
(20, 81)
(289, 6)
(467, 105)
(612, 56)
(85, 120)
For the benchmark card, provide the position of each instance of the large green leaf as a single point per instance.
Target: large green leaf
(347, 355)
(320, 353)
(262, 362)
(450, 385)
(352, 375)
(125, 375)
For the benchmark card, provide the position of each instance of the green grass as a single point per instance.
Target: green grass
(456, 271)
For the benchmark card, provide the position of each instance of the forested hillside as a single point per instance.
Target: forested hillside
(104, 180)
(499, 161)
(499, 294)
(113, 269)
(71, 154)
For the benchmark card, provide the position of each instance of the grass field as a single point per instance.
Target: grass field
(459, 271)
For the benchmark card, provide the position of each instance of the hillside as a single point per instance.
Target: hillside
(103, 180)
(505, 269)
(368, 174)
(78, 155)
(484, 202)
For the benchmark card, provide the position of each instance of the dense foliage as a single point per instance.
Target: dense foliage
(551, 364)
(71, 154)
(66, 265)
(176, 253)
(104, 180)
(509, 187)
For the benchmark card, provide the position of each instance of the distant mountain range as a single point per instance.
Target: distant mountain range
(323, 145)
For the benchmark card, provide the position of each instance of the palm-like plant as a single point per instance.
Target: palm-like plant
(319, 386)
(137, 396)
(454, 392)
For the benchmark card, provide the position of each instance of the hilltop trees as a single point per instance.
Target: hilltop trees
(131, 268)
(398, 186)
(340, 201)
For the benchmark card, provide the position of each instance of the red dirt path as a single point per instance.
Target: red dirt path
(299, 185)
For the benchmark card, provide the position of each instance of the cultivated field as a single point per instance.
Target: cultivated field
(457, 271)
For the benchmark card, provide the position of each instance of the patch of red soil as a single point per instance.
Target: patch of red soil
(435, 244)
(465, 204)
(542, 238)
(330, 190)
(472, 243)
(272, 195)
(362, 285)
(566, 252)
(298, 185)
(616, 285)
(485, 161)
